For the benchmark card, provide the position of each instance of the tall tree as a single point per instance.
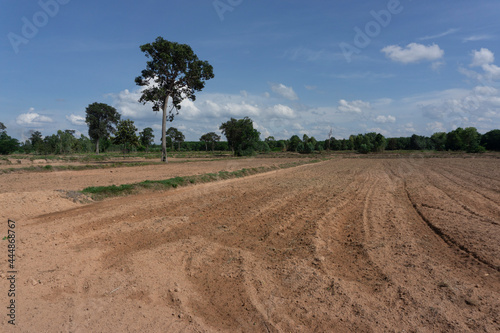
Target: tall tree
(146, 137)
(125, 134)
(175, 72)
(2, 127)
(100, 118)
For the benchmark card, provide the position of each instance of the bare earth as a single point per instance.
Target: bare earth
(346, 245)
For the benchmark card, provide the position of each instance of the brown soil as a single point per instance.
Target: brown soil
(346, 245)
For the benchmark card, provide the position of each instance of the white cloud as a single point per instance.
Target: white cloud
(435, 127)
(189, 110)
(32, 119)
(492, 71)
(284, 91)
(446, 33)
(482, 57)
(486, 91)
(413, 53)
(410, 128)
(282, 111)
(76, 120)
(383, 102)
(437, 65)
(476, 38)
(385, 119)
(354, 106)
(464, 107)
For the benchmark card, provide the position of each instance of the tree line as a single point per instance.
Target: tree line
(108, 132)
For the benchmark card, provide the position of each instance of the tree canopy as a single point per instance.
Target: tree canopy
(8, 145)
(241, 136)
(174, 71)
(125, 134)
(211, 138)
(146, 137)
(100, 118)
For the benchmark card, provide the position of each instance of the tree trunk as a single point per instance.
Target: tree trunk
(97, 146)
(164, 133)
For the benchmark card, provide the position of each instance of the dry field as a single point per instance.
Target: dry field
(345, 245)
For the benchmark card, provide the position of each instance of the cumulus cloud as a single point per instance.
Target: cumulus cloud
(284, 91)
(32, 119)
(482, 102)
(76, 120)
(354, 106)
(413, 53)
(283, 111)
(189, 110)
(126, 103)
(435, 127)
(483, 58)
(385, 119)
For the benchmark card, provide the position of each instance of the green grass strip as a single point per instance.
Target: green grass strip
(102, 192)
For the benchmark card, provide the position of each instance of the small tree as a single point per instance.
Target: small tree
(100, 118)
(271, 142)
(439, 140)
(211, 138)
(125, 133)
(491, 140)
(146, 137)
(67, 141)
(179, 138)
(172, 134)
(174, 71)
(36, 141)
(241, 136)
(294, 143)
(7, 144)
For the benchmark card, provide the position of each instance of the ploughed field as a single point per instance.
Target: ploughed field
(344, 245)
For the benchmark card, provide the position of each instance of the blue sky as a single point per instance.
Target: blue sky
(294, 67)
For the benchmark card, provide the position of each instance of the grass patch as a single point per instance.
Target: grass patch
(102, 192)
